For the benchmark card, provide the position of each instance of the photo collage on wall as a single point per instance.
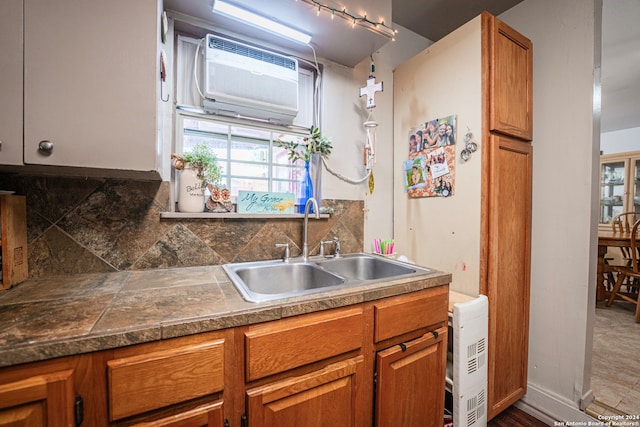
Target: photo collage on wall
(430, 169)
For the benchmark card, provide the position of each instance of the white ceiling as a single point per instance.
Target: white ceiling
(435, 19)
(333, 39)
(337, 41)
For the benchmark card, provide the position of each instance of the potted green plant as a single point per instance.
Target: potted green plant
(314, 143)
(198, 168)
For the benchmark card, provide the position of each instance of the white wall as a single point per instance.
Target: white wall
(442, 232)
(620, 141)
(344, 113)
(565, 158)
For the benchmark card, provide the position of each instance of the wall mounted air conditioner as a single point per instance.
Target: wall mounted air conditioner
(244, 80)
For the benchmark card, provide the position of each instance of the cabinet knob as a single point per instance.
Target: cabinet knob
(45, 147)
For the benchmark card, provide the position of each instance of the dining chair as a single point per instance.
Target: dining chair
(630, 272)
(622, 223)
(619, 224)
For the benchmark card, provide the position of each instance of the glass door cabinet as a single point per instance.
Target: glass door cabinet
(619, 185)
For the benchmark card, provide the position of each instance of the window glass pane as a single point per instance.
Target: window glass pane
(247, 156)
(286, 187)
(248, 184)
(287, 172)
(250, 133)
(194, 134)
(280, 156)
(249, 170)
(250, 151)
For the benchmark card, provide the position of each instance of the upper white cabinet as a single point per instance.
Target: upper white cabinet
(91, 79)
(11, 82)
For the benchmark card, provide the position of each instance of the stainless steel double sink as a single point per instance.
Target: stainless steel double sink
(268, 280)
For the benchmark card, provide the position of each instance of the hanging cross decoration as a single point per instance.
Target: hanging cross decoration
(370, 90)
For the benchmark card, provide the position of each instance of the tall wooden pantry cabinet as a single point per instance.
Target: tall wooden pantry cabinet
(480, 78)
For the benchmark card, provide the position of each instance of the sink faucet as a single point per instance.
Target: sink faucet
(287, 252)
(336, 245)
(305, 246)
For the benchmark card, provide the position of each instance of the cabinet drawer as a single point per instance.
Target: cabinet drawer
(157, 379)
(403, 314)
(209, 415)
(290, 343)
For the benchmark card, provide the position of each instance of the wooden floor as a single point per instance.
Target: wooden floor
(514, 417)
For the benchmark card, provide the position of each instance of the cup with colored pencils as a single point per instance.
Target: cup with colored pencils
(383, 247)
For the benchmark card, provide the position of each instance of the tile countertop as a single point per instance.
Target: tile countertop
(46, 318)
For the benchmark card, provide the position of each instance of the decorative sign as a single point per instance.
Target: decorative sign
(265, 202)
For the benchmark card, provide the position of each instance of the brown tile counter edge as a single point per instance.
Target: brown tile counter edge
(230, 311)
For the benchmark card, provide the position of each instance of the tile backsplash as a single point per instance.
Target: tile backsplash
(89, 225)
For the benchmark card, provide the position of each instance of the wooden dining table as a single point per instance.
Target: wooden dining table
(607, 239)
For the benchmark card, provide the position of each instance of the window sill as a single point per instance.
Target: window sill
(233, 215)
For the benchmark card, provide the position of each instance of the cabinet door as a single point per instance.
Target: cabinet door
(634, 185)
(43, 400)
(613, 183)
(411, 381)
(328, 397)
(90, 83)
(11, 82)
(508, 269)
(619, 186)
(510, 80)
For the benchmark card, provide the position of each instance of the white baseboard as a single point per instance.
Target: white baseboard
(551, 408)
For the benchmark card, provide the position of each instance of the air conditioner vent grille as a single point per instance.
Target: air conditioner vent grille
(249, 52)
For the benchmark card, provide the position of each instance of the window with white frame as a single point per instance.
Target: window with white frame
(246, 151)
(248, 157)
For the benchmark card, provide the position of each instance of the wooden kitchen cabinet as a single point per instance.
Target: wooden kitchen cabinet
(482, 233)
(410, 382)
(309, 387)
(38, 395)
(507, 171)
(327, 397)
(508, 269)
(91, 73)
(421, 311)
(286, 344)
(314, 369)
(510, 80)
(411, 336)
(180, 382)
(207, 415)
(323, 365)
